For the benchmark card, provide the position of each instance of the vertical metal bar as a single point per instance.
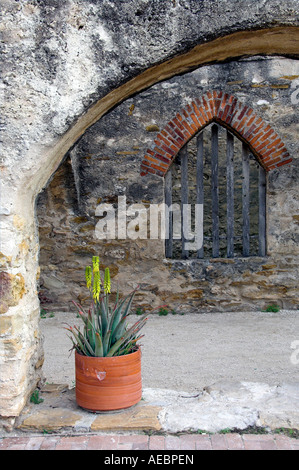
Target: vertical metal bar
(262, 211)
(246, 199)
(168, 202)
(200, 186)
(184, 195)
(230, 194)
(215, 193)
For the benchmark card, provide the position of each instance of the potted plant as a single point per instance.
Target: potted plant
(107, 356)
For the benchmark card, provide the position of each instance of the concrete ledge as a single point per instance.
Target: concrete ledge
(233, 406)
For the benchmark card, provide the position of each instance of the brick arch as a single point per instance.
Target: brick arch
(227, 110)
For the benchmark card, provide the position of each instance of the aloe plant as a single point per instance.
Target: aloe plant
(105, 327)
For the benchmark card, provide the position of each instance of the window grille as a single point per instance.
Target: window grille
(217, 172)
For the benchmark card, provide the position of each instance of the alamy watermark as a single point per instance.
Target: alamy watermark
(295, 93)
(153, 222)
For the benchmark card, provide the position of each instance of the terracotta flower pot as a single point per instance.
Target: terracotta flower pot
(108, 383)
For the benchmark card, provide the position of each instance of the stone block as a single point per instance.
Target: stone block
(12, 289)
(139, 418)
(50, 420)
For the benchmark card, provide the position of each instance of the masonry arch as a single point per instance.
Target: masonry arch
(25, 359)
(225, 109)
(281, 41)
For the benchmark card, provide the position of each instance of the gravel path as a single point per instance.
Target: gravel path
(189, 352)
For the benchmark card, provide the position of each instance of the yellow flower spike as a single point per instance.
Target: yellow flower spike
(95, 263)
(96, 290)
(88, 276)
(107, 283)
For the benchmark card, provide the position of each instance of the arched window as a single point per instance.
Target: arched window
(216, 189)
(221, 171)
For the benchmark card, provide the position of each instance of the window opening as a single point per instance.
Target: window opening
(218, 172)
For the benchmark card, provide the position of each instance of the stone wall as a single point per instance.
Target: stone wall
(106, 164)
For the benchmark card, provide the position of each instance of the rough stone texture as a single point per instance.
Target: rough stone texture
(58, 58)
(227, 405)
(51, 420)
(11, 290)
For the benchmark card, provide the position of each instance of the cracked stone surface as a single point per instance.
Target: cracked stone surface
(224, 405)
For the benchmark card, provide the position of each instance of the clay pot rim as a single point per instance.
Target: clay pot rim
(105, 358)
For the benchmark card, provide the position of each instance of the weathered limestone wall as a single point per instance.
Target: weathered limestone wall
(58, 59)
(106, 163)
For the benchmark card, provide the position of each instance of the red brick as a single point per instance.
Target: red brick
(170, 131)
(196, 123)
(187, 442)
(251, 120)
(164, 149)
(172, 443)
(232, 112)
(140, 442)
(34, 443)
(255, 137)
(150, 170)
(160, 138)
(156, 442)
(278, 153)
(217, 103)
(283, 443)
(179, 133)
(150, 159)
(49, 443)
(106, 442)
(72, 443)
(189, 131)
(261, 146)
(199, 115)
(157, 167)
(207, 108)
(252, 445)
(284, 162)
(178, 123)
(218, 442)
(275, 143)
(203, 443)
(202, 111)
(259, 442)
(14, 443)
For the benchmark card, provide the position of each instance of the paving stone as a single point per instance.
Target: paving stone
(50, 420)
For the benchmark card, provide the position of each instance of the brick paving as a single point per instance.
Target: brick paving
(118, 442)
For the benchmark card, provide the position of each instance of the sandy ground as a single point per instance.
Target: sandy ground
(189, 352)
